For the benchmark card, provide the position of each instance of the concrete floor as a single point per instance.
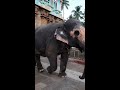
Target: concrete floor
(45, 81)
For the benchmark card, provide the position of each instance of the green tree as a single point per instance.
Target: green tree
(71, 16)
(77, 12)
(65, 3)
(83, 18)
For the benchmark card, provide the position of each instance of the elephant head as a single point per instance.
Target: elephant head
(75, 34)
(75, 29)
(72, 33)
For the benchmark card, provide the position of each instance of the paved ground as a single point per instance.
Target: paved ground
(44, 81)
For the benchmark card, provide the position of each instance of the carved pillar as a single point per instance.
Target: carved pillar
(44, 17)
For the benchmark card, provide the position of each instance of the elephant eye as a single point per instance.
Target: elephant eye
(76, 33)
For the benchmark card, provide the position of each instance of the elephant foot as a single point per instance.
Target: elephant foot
(62, 74)
(81, 77)
(41, 70)
(49, 70)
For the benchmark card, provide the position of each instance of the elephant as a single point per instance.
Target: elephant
(56, 39)
(81, 46)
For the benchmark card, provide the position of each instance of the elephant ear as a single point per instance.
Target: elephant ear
(61, 36)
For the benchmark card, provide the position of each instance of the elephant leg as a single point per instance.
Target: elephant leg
(63, 64)
(53, 63)
(39, 65)
(83, 75)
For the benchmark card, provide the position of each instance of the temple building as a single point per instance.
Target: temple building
(47, 11)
